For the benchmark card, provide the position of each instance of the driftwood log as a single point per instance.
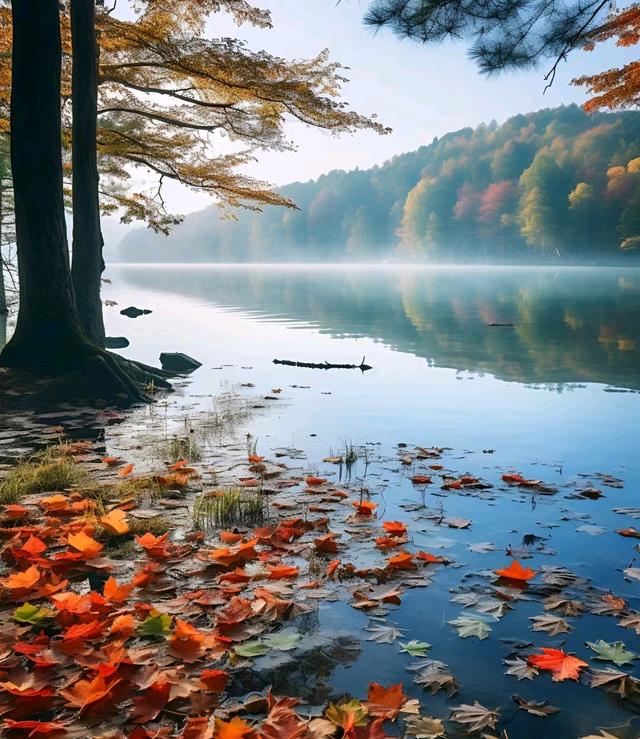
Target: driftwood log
(324, 365)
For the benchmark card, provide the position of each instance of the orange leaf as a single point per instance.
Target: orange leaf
(280, 572)
(562, 666)
(186, 641)
(401, 561)
(516, 571)
(234, 729)
(429, 558)
(421, 479)
(84, 693)
(22, 580)
(385, 702)
(228, 537)
(365, 507)
(255, 458)
(237, 611)
(117, 593)
(214, 680)
(178, 465)
(115, 522)
(111, 461)
(396, 528)
(315, 481)
(326, 543)
(332, 567)
(154, 546)
(88, 547)
(123, 626)
(126, 470)
(388, 542)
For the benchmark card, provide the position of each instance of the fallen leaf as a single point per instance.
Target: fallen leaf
(612, 652)
(475, 717)
(517, 572)
(553, 625)
(535, 708)
(468, 626)
(562, 666)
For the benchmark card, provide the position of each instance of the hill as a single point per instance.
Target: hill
(555, 183)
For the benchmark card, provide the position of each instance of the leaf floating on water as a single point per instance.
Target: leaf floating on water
(424, 727)
(591, 530)
(564, 605)
(468, 626)
(415, 648)
(475, 717)
(482, 547)
(435, 676)
(255, 648)
(631, 621)
(535, 708)
(284, 642)
(520, 669)
(385, 702)
(458, 523)
(615, 652)
(561, 665)
(553, 625)
(615, 681)
(384, 634)
(632, 572)
(515, 571)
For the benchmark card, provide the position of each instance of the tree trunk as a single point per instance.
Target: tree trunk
(4, 309)
(88, 264)
(48, 332)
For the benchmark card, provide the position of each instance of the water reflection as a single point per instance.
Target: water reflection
(568, 325)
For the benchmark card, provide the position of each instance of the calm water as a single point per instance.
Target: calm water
(554, 395)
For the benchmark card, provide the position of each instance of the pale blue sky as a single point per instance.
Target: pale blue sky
(421, 92)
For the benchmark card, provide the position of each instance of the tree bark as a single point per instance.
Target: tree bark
(48, 332)
(88, 263)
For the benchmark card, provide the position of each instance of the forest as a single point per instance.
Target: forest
(558, 183)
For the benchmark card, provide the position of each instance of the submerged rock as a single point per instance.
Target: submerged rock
(133, 312)
(116, 342)
(178, 362)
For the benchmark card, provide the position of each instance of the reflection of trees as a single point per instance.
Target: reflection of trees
(570, 325)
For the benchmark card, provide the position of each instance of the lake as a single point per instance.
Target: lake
(551, 392)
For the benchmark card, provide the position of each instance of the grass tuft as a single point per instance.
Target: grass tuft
(225, 509)
(38, 476)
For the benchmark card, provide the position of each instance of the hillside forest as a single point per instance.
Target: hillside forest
(555, 184)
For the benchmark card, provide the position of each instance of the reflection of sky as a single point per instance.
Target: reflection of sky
(402, 398)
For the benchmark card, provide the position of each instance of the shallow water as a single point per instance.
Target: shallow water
(553, 396)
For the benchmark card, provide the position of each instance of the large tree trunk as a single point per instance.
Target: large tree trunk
(48, 332)
(88, 264)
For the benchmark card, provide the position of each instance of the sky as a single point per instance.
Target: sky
(420, 92)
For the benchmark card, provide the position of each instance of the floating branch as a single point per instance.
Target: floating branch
(324, 365)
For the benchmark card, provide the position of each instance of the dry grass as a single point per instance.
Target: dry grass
(43, 474)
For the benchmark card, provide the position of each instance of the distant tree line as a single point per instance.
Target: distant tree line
(556, 183)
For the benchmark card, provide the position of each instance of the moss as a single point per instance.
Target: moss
(39, 476)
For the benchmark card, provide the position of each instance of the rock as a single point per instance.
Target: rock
(178, 362)
(116, 342)
(132, 312)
